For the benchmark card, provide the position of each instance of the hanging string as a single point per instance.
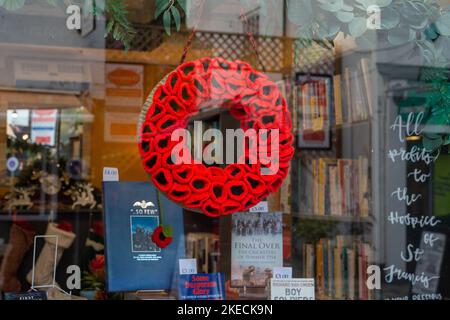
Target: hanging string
(244, 20)
(187, 47)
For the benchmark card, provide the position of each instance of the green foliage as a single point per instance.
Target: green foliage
(170, 11)
(118, 24)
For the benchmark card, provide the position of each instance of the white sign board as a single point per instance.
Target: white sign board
(188, 266)
(43, 126)
(292, 289)
(282, 273)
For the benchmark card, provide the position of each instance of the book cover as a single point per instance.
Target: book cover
(207, 286)
(256, 247)
(133, 261)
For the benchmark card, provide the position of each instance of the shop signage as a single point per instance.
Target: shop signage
(12, 164)
(43, 126)
(188, 266)
(292, 289)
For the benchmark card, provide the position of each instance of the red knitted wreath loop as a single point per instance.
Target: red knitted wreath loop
(251, 98)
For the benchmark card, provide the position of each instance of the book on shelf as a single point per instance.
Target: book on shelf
(356, 85)
(204, 247)
(337, 89)
(339, 267)
(334, 187)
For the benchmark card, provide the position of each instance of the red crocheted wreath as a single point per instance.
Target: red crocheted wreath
(251, 98)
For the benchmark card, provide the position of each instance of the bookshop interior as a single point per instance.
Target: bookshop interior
(351, 203)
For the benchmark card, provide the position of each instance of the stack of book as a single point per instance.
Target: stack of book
(356, 103)
(204, 247)
(339, 266)
(336, 187)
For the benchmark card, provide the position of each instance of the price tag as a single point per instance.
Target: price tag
(188, 266)
(282, 273)
(263, 206)
(292, 289)
(110, 174)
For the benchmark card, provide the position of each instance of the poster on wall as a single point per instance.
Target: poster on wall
(124, 87)
(256, 248)
(120, 126)
(43, 126)
(130, 220)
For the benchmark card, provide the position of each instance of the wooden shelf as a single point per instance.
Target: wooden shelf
(346, 219)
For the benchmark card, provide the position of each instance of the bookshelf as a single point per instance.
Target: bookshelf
(333, 216)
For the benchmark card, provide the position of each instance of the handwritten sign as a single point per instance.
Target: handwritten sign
(292, 289)
(426, 255)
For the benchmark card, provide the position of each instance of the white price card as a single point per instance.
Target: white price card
(188, 266)
(282, 273)
(292, 289)
(110, 174)
(260, 207)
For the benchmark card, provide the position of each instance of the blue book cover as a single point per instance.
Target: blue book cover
(205, 286)
(133, 261)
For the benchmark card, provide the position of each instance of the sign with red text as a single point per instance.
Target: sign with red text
(208, 286)
(43, 126)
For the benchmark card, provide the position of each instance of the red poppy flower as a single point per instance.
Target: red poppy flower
(98, 263)
(65, 226)
(162, 236)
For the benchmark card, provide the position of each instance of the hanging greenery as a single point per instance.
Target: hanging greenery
(171, 13)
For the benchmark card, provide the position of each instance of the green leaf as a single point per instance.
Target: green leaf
(331, 5)
(389, 18)
(382, 3)
(357, 27)
(328, 28)
(12, 5)
(443, 43)
(345, 16)
(161, 6)
(176, 17)
(168, 231)
(182, 4)
(432, 144)
(300, 12)
(400, 36)
(443, 24)
(167, 20)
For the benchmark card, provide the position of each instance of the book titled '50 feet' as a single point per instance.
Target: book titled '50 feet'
(133, 261)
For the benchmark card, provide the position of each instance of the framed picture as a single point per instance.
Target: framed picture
(313, 103)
